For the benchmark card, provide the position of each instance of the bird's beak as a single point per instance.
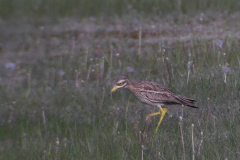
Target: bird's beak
(112, 90)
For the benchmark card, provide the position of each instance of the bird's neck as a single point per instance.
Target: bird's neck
(130, 86)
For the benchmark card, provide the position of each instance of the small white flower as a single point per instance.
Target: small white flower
(168, 59)
(218, 42)
(153, 26)
(180, 118)
(189, 65)
(225, 69)
(10, 66)
(130, 69)
(61, 73)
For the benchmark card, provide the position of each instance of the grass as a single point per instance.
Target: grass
(98, 8)
(54, 95)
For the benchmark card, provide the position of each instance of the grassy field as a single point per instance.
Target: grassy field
(87, 8)
(56, 74)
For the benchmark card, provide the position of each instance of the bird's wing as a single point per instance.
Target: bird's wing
(158, 97)
(159, 94)
(152, 86)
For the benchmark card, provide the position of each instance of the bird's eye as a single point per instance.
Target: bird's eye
(120, 84)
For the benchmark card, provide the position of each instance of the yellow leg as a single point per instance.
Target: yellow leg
(149, 116)
(163, 112)
(153, 114)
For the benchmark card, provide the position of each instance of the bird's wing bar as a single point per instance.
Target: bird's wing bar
(159, 97)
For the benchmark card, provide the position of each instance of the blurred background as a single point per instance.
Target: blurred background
(98, 8)
(58, 59)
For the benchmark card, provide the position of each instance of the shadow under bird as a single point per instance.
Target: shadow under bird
(152, 93)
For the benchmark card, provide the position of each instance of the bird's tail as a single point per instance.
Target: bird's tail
(186, 101)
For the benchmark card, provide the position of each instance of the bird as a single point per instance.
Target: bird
(152, 93)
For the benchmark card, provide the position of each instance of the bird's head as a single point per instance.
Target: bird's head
(120, 82)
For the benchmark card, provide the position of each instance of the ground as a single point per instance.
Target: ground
(56, 74)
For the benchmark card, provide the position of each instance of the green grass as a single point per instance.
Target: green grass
(55, 103)
(98, 8)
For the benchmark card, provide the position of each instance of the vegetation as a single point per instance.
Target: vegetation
(56, 74)
(87, 8)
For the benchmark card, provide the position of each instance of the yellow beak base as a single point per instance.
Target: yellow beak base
(113, 90)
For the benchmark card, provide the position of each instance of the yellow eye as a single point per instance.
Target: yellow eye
(120, 84)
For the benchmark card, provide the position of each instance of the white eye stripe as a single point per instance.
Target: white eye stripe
(122, 81)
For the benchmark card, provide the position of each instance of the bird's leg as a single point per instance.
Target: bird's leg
(163, 111)
(149, 116)
(153, 114)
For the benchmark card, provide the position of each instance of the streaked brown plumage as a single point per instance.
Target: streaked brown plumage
(152, 93)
